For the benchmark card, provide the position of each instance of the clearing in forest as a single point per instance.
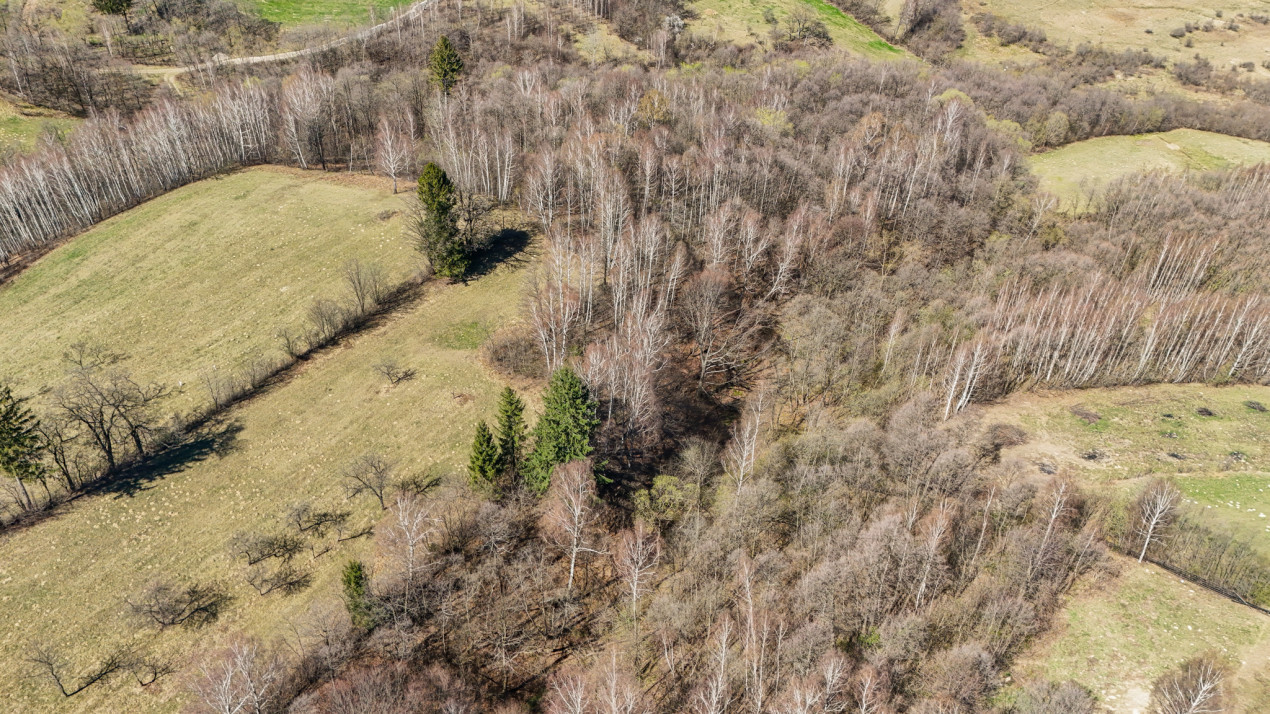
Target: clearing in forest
(64, 582)
(1075, 171)
(199, 280)
(312, 12)
(743, 22)
(1235, 38)
(21, 124)
(1214, 441)
(1117, 634)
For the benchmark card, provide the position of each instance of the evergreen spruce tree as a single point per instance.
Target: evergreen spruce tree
(438, 231)
(564, 431)
(445, 64)
(483, 469)
(511, 432)
(20, 444)
(357, 594)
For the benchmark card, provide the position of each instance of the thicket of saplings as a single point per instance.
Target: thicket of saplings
(832, 239)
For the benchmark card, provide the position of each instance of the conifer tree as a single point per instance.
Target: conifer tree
(564, 431)
(20, 444)
(437, 229)
(483, 469)
(511, 432)
(445, 64)
(357, 594)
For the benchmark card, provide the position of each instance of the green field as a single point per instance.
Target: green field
(202, 277)
(64, 581)
(741, 21)
(22, 124)
(1075, 170)
(1221, 462)
(1116, 637)
(309, 12)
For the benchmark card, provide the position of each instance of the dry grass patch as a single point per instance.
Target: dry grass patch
(1118, 24)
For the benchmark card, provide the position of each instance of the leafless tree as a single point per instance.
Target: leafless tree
(367, 282)
(50, 663)
(395, 373)
(371, 473)
(392, 151)
(1156, 508)
(1194, 687)
(243, 678)
(409, 528)
(636, 556)
(167, 604)
(571, 513)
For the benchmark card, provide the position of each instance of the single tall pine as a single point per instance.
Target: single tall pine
(20, 444)
(511, 432)
(445, 64)
(438, 232)
(483, 469)
(564, 431)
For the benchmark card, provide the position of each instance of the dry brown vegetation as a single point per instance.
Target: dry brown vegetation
(784, 288)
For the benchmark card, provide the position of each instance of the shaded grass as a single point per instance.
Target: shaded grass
(741, 21)
(64, 581)
(1072, 171)
(201, 278)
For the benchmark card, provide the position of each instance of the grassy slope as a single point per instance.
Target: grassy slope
(309, 12)
(64, 582)
(203, 276)
(1122, 24)
(1069, 171)
(741, 21)
(21, 125)
(1118, 636)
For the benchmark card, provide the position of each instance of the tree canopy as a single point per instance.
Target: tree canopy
(565, 431)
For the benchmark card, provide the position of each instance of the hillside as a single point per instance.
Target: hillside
(1082, 169)
(200, 280)
(241, 473)
(717, 356)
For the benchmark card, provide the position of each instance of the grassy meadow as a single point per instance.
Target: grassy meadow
(1073, 171)
(1122, 24)
(312, 12)
(741, 22)
(21, 124)
(199, 279)
(1119, 633)
(64, 582)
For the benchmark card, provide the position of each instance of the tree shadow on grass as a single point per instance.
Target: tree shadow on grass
(506, 247)
(214, 440)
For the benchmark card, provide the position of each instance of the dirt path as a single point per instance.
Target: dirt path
(410, 14)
